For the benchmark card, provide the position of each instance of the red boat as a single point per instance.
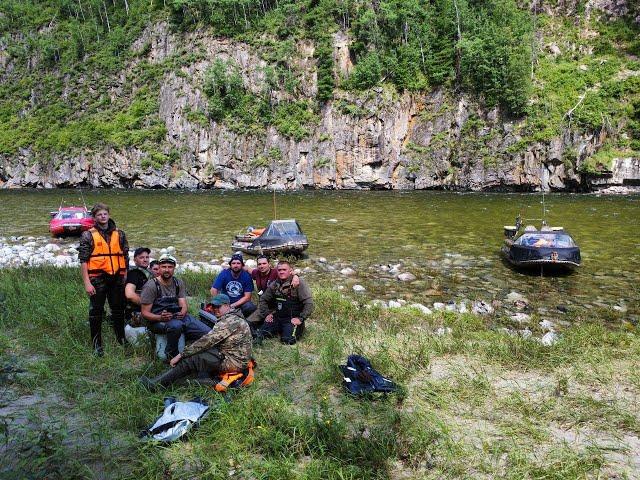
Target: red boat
(70, 221)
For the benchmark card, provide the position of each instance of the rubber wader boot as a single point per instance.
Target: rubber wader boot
(167, 378)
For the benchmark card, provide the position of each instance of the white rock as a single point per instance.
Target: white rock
(443, 331)
(514, 297)
(379, 303)
(347, 271)
(332, 220)
(395, 269)
(321, 260)
(406, 277)
(439, 306)
(451, 307)
(520, 317)
(30, 244)
(163, 251)
(482, 308)
(171, 250)
(358, 288)
(394, 304)
(462, 308)
(549, 338)
(251, 263)
(547, 325)
(424, 309)
(555, 50)
(215, 268)
(51, 247)
(526, 333)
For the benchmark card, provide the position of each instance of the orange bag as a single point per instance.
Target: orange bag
(236, 379)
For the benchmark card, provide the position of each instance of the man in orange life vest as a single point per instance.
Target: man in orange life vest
(104, 260)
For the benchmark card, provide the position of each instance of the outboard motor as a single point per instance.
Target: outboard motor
(510, 231)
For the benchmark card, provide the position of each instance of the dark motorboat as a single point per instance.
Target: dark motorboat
(280, 237)
(549, 247)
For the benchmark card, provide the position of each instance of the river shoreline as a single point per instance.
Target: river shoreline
(607, 190)
(391, 247)
(513, 305)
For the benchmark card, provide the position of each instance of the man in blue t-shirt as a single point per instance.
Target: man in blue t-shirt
(237, 283)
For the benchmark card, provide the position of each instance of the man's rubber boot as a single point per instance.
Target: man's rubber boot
(165, 379)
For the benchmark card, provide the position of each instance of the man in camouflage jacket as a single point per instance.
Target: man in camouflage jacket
(226, 348)
(283, 307)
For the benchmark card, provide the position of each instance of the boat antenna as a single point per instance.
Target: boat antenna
(275, 211)
(83, 202)
(544, 206)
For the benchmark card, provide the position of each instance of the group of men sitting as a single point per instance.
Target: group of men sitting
(157, 299)
(285, 302)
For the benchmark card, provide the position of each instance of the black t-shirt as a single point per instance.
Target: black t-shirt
(138, 278)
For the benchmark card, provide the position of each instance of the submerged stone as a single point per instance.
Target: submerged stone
(406, 277)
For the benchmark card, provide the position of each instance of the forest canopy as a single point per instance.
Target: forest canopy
(483, 47)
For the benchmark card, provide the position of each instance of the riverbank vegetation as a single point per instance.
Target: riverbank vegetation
(79, 76)
(476, 402)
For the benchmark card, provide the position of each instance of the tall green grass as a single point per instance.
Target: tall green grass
(295, 421)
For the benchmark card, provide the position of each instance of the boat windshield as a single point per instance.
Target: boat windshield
(551, 240)
(283, 229)
(71, 215)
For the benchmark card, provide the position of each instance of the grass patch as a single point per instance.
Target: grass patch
(454, 421)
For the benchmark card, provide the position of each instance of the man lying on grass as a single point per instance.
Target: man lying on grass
(226, 348)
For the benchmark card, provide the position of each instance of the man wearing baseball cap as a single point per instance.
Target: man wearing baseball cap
(237, 284)
(226, 348)
(137, 276)
(164, 307)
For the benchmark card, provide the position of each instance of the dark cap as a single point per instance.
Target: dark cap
(140, 250)
(220, 299)
(237, 256)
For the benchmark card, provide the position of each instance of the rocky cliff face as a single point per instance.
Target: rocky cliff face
(378, 140)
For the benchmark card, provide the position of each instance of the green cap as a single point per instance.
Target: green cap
(220, 299)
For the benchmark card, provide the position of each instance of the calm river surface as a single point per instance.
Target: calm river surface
(450, 241)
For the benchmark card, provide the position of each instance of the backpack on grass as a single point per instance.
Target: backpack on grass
(360, 377)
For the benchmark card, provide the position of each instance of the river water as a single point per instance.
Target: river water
(449, 241)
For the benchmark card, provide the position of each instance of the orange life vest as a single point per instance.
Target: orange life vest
(236, 379)
(106, 257)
